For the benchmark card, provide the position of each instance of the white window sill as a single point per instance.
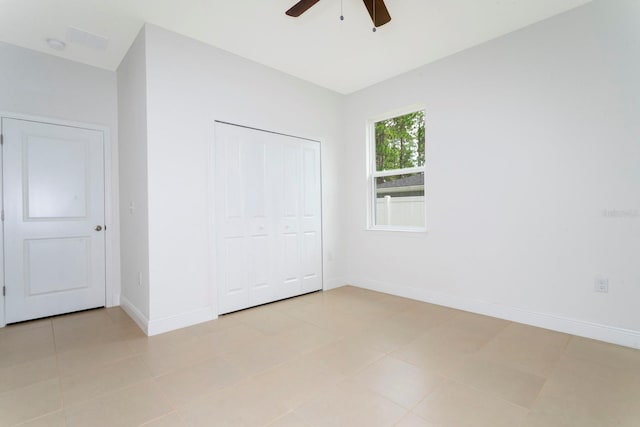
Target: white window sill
(397, 228)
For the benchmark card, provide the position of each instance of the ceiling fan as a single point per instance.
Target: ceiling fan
(377, 10)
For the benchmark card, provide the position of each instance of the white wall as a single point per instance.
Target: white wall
(47, 87)
(44, 85)
(132, 115)
(189, 86)
(530, 137)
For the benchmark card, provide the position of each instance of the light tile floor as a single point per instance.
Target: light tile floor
(347, 357)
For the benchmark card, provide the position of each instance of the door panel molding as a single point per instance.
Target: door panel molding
(37, 249)
(112, 280)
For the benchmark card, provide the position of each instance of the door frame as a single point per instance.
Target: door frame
(111, 291)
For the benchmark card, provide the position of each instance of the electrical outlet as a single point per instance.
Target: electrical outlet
(602, 285)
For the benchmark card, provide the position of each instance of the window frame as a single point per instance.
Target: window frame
(372, 174)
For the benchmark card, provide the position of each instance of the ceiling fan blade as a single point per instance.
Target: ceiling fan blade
(379, 15)
(300, 7)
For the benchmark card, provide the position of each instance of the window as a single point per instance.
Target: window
(397, 164)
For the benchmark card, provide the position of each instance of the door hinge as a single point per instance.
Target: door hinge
(4, 291)
(1, 139)
(2, 215)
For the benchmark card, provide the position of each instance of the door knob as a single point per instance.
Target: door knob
(98, 228)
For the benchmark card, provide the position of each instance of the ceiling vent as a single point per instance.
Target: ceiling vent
(85, 38)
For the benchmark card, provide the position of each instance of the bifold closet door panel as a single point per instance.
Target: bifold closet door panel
(300, 219)
(243, 234)
(311, 218)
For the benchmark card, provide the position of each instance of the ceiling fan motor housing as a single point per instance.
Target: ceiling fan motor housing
(376, 8)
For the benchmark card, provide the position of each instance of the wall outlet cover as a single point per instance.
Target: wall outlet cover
(602, 284)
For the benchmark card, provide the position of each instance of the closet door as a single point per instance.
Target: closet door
(299, 218)
(268, 222)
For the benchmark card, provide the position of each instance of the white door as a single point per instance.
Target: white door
(268, 221)
(299, 218)
(54, 227)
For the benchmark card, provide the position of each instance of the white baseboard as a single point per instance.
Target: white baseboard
(170, 323)
(610, 334)
(133, 312)
(336, 282)
(166, 324)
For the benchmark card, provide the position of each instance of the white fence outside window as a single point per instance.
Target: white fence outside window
(404, 211)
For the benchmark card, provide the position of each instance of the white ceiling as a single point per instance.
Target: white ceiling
(317, 47)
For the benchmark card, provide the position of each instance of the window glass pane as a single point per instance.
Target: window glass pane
(400, 142)
(400, 200)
